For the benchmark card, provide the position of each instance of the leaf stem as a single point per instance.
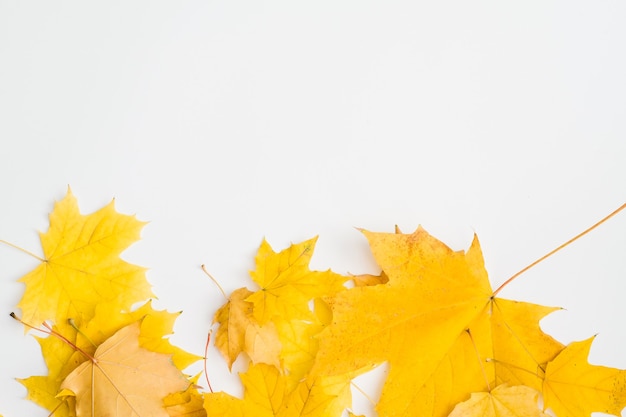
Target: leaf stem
(214, 281)
(552, 252)
(23, 250)
(206, 353)
(50, 331)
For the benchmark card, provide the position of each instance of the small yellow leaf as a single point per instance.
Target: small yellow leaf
(287, 284)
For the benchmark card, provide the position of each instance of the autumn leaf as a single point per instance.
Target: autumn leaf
(267, 394)
(124, 379)
(434, 317)
(287, 284)
(81, 267)
(574, 388)
(503, 401)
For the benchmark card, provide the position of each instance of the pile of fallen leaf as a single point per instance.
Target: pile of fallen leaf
(453, 347)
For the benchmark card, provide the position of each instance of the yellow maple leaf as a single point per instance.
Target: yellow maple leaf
(267, 394)
(287, 284)
(124, 379)
(437, 323)
(574, 388)
(81, 267)
(503, 401)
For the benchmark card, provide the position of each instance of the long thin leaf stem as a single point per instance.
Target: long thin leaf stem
(22, 250)
(50, 331)
(552, 252)
(206, 353)
(214, 281)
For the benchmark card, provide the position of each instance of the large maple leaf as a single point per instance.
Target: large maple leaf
(81, 267)
(123, 379)
(437, 322)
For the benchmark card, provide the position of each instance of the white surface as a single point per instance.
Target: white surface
(223, 122)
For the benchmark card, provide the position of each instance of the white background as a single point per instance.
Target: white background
(224, 122)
